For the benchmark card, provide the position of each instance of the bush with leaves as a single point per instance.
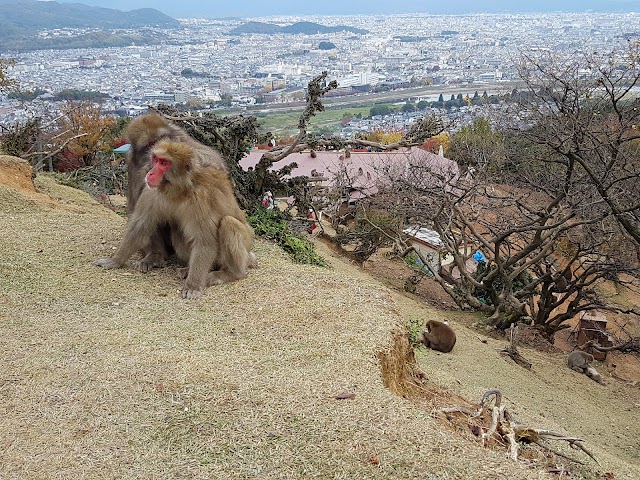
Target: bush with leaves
(415, 328)
(273, 225)
(519, 284)
(371, 230)
(20, 138)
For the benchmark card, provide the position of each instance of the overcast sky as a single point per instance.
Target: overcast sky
(258, 8)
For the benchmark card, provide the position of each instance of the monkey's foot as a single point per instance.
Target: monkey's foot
(144, 267)
(107, 262)
(148, 263)
(219, 277)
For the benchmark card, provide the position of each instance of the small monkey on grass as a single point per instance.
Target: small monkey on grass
(581, 362)
(438, 336)
(209, 231)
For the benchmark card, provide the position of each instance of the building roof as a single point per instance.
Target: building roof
(122, 148)
(425, 235)
(362, 167)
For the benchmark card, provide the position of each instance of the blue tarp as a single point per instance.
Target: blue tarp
(479, 257)
(122, 148)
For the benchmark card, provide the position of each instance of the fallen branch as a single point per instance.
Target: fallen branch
(630, 346)
(506, 430)
(512, 350)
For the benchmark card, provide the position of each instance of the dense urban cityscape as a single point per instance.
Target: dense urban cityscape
(205, 62)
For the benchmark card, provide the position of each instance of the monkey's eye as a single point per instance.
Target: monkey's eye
(163, 162)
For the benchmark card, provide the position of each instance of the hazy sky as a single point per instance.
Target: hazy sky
(256, 8)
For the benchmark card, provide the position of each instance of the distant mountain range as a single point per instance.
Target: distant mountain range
(308, 28)
(21, 19)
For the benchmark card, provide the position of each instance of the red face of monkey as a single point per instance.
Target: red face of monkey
(159, 165)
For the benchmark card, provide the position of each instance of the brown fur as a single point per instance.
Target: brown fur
(143, 133)
(208, 228)
(438, 336)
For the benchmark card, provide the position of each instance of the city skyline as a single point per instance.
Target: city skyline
(253, 8)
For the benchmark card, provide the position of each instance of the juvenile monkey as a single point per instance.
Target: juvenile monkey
(143, 133)
(438, 336)
(208, 229)
(581, 362)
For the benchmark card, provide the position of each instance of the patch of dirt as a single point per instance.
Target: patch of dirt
(532, 337)
(17, 181)
(394, 272)
(16, 173)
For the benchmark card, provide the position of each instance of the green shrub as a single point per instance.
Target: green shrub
(415, 328)
(273, 225)
(497, 286)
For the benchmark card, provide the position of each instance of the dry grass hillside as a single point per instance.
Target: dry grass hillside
(110, 374)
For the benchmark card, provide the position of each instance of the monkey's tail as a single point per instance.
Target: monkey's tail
(236, 242)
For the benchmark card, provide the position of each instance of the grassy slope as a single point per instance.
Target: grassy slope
(109, 374)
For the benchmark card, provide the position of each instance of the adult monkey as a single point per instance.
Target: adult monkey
(208, 229)
(143, 133)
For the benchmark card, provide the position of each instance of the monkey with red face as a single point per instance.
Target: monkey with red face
(209, 231)
(143, 133)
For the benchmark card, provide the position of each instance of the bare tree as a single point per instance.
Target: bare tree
(545, 246)
(552, 204)
(585, 114)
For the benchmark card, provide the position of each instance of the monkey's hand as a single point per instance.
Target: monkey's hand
(190, 293)
(182, 272)
(148, 263)
(108, 262)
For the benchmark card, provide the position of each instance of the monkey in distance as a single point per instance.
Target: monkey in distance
(438, 336)
(581, 362)
(142, 134)
(209, 231)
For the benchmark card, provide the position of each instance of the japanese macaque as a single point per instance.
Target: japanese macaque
(209, 231)
(563, 281)
(581, 362)
(143, 133)
(438, 336)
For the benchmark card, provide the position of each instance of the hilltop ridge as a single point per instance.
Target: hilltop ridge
(21, 20)
(111, 374)
(307, 28)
